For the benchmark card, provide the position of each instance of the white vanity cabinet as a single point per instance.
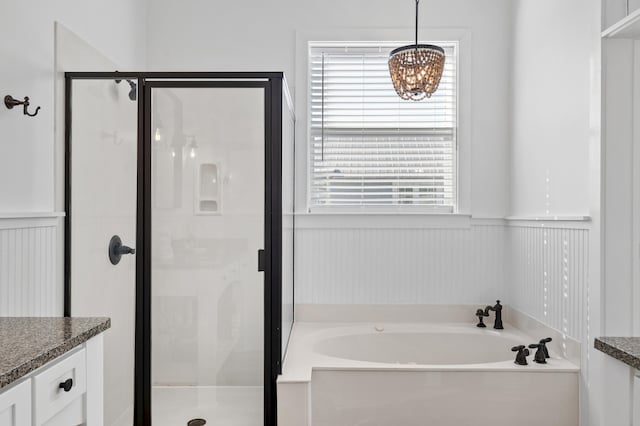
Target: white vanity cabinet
(15, 405)
(67, 391)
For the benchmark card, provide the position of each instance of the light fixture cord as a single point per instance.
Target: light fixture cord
(417, 1)
(322, 125)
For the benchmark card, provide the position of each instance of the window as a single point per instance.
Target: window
(370, 148)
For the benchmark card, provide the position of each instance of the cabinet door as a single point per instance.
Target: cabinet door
(49, 395)
(15, 405)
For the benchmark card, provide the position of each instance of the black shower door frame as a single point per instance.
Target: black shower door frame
(272, 83)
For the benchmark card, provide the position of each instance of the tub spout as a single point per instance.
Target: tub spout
(498, 310)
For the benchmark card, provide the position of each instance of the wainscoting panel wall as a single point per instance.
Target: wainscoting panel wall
(538, 268)
(548, 277)
(364, 265)
(30, 266)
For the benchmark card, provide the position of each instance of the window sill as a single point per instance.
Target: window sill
(379, 220)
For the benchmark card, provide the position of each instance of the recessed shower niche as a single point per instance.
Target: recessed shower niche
(208, 195)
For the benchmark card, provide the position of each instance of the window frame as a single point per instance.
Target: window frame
(454, 42)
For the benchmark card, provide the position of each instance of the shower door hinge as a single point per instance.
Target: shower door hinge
(261, 260)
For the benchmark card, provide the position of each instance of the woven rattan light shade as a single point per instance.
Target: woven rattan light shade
(416, 70)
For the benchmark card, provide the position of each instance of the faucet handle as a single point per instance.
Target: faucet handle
(540, 357)
(521, 357)
(543, 343)
(480, 314)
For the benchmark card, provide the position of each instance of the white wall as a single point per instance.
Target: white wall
(518, 72)
(548, 273)
(28, 266)
(204, 36)
(115, 28)
(552, 56)
(31, 260)
(620, 290)
(190, 36)
(31, 282)
(554, 97)
(258, 35)
(555, 172)
(179, 33)
(371, 262)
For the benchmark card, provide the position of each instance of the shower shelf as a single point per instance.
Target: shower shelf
(208, 190)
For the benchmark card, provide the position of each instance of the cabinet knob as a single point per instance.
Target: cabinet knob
(66, 385)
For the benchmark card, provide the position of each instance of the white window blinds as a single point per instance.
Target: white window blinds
(368, 147)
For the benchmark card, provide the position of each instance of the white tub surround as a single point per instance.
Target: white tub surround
(408, 347)
(562, 344)
(384, 372)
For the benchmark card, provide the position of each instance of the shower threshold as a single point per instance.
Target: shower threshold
(217, 405)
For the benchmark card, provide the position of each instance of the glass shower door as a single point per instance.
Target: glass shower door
(207, 226)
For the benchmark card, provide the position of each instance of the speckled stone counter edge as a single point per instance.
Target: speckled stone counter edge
(22, 370)
(618, 348)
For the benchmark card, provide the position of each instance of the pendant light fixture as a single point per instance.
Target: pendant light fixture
(416, 69)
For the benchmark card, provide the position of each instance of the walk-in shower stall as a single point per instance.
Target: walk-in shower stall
(179, 226)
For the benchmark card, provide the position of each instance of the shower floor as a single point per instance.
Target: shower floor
(218, 405)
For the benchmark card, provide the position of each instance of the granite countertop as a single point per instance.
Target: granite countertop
(29, 343)
(625, 349)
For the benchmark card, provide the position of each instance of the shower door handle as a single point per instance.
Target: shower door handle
(117, 249)
(262, 260)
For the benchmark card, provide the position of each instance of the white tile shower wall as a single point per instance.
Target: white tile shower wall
(548, 275)
(29, 271)
(412, 266)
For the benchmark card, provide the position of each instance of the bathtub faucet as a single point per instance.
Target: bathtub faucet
(498, 310)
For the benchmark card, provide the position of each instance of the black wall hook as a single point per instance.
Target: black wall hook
(10, 102)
